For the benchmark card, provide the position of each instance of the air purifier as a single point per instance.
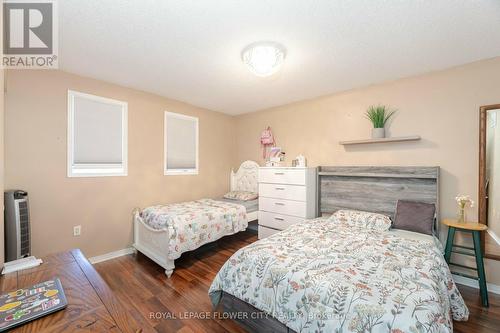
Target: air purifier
(17, 225)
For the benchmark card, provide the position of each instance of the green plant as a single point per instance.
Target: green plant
(379, 115)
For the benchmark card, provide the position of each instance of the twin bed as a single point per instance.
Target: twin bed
(346, 271)
(164, 232)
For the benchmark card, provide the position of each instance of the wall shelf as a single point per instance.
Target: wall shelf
(384, 140)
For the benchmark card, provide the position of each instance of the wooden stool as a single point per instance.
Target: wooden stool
(475, 229)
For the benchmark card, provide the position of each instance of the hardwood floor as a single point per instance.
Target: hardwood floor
(148, 294)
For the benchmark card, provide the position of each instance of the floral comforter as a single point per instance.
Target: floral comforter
(324, 276)
(195, 223)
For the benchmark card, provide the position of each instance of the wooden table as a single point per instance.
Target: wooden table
(91, 303)
(476, 229)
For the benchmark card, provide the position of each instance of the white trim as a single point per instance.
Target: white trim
(167, 172)
(96, 170)
(111, 255)
(494, 236)
(180, 172)
(492, 288)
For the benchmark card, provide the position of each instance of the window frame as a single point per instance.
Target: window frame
(95, 169)
(179, 172)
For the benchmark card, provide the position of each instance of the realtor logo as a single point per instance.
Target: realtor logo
(30, 34)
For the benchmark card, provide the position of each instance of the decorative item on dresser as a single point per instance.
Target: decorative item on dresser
(286, 196)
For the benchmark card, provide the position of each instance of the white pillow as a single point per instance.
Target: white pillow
(241, 195)
(357, 218)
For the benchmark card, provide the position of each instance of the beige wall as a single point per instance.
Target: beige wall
(35, 155)
(442, 107)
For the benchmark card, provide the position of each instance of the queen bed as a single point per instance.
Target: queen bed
(164, 232)
(345, 271)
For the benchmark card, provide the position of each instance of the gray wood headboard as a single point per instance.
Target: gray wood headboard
(375, 189)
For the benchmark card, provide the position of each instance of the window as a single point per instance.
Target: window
(97, 136)
(181, 144)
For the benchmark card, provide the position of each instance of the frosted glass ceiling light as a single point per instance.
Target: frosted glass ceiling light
(263, 58)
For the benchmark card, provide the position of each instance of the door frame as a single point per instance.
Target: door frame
(483, 213)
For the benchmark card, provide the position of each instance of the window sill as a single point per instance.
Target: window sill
(180, 172)
(80, 173)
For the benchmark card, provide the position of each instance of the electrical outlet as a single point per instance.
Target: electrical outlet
(77, 230)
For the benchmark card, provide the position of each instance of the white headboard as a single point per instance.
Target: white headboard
(246, 178)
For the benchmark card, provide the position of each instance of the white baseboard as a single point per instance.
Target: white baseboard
(111, 255)
(492, 288)
(494, 236)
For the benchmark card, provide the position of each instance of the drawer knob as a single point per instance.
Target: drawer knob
(279, 203)
(280, 188)
(279, 173)
(279, 219)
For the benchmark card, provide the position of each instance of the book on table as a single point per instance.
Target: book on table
(24, 305)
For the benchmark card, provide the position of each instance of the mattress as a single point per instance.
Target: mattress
(250, 205)
(195, 223)
(338, 277)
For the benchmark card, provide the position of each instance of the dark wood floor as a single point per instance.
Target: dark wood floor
(147, 293)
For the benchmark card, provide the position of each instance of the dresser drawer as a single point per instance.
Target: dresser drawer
(287, 207)
(266, 232)
(277, 221)
(280, 191)
(282, 176)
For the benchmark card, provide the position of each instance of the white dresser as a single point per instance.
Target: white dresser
(287, 195)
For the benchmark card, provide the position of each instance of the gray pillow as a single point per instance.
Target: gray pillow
(415, 216)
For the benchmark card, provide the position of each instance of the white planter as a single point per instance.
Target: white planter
(378, 133)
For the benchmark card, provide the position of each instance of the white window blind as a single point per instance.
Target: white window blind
(181, 144)
(97, 136)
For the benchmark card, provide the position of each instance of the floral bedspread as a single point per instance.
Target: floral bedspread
(326, 276)
(195, 223)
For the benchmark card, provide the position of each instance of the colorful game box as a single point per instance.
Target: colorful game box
(23, 305)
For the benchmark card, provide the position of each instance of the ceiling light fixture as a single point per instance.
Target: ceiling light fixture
(263, 58)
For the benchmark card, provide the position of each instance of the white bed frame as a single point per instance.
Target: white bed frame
(153, 243)
(246, 179)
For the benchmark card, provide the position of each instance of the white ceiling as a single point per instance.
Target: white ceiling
(189, 50)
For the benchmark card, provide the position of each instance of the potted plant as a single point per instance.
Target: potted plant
(379, 115)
